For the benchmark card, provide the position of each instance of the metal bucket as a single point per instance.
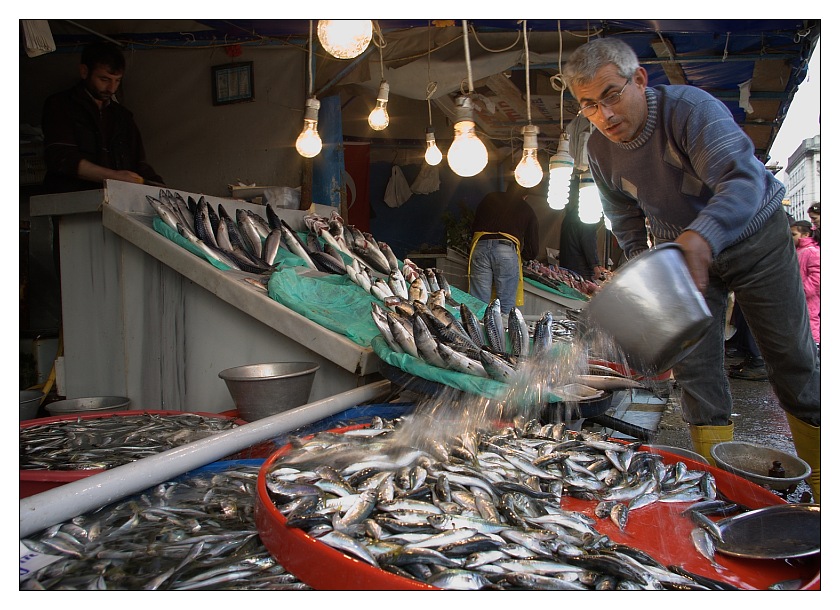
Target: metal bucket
(89, 404)
(753, 462)
(30, 400)
(652, 309)
(262, 390)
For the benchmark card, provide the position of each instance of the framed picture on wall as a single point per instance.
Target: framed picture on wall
(233, 83)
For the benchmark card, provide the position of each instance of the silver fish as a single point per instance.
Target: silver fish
(426, 345)
(396, 282)
(295, 245)
(520, 341)
(271, 245)
(403, 337)
(417, 291)
(494, 327)
(248, 230)
(497, 368)
(460, 362)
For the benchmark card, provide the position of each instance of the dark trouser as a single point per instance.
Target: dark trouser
(763, 272)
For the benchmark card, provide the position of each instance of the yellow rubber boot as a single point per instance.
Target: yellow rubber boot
(806, 439)
(705, 437)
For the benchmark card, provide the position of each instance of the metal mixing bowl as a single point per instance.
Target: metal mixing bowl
(89, 404)
(30, 400)
(651, 309)
(262, 390)
(752, 462)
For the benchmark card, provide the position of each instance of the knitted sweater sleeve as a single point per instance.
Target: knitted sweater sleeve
(722, 155)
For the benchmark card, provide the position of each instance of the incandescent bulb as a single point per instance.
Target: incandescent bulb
(433, 155)
(378, 118)
(528, 172)
(467, 156)
(345, 38)
(308, 143)
(560, 169)
(590, 208)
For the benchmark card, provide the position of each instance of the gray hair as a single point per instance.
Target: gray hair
(590, 57)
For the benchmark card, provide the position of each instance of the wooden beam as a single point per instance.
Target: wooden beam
(673, 70)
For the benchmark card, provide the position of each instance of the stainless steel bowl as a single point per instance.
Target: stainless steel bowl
(652, 310)
(30, 400)
(753, 462)
(89, 404)
(262, 390)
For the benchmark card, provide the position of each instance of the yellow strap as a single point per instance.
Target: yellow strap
(520, 289)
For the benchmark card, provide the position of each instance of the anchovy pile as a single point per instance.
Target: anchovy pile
(194, 533)
(111, 441)
(484, 512)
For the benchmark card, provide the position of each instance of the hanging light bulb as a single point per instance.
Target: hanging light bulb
(560, 169)
(308, 143)
(433, 155)
(378, 118)
(467, 156)
(590, 208)
(345, 38)
(528, 172)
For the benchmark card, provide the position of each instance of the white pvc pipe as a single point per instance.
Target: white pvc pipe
(62, 503)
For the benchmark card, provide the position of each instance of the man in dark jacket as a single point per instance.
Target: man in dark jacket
(89, 136)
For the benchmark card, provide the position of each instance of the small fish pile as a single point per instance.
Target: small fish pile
(554, 276)
(111, 441)
(485, 510)
(195, 533)
(466, 344)
(482, 348)
(237, 243)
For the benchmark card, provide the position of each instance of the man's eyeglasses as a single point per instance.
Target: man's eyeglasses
(612, 99)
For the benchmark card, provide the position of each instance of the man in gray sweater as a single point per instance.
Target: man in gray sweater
(673, 154)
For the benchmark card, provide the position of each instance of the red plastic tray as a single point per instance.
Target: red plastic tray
(628, 372)
(36, 481)
(658, 529)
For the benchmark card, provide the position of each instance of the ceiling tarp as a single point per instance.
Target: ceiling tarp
(753, 66)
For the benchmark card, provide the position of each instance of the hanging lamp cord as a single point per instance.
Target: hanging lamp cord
(467, 54)
(527, 70)
(309, 64)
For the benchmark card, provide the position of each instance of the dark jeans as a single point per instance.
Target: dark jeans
(763, 272)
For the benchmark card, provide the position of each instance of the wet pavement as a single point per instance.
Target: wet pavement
(756, 413)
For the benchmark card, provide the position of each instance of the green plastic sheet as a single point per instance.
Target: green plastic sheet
(563, 290)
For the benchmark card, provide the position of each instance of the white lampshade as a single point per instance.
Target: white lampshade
(560, 169)
(433, 155)
(345, 38)
(528, 172)
(378, 118)
(308, 143)
(467, 156)
(590, 208)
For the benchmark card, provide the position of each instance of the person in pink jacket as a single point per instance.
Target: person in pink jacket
(809, 266)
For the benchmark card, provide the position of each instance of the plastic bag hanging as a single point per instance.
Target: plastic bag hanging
(427, 180)
(397, 192)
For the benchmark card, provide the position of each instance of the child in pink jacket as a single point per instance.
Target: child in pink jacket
(809, 266)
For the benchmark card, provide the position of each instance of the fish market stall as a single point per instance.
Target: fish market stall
(540, 298)
(169, 321)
